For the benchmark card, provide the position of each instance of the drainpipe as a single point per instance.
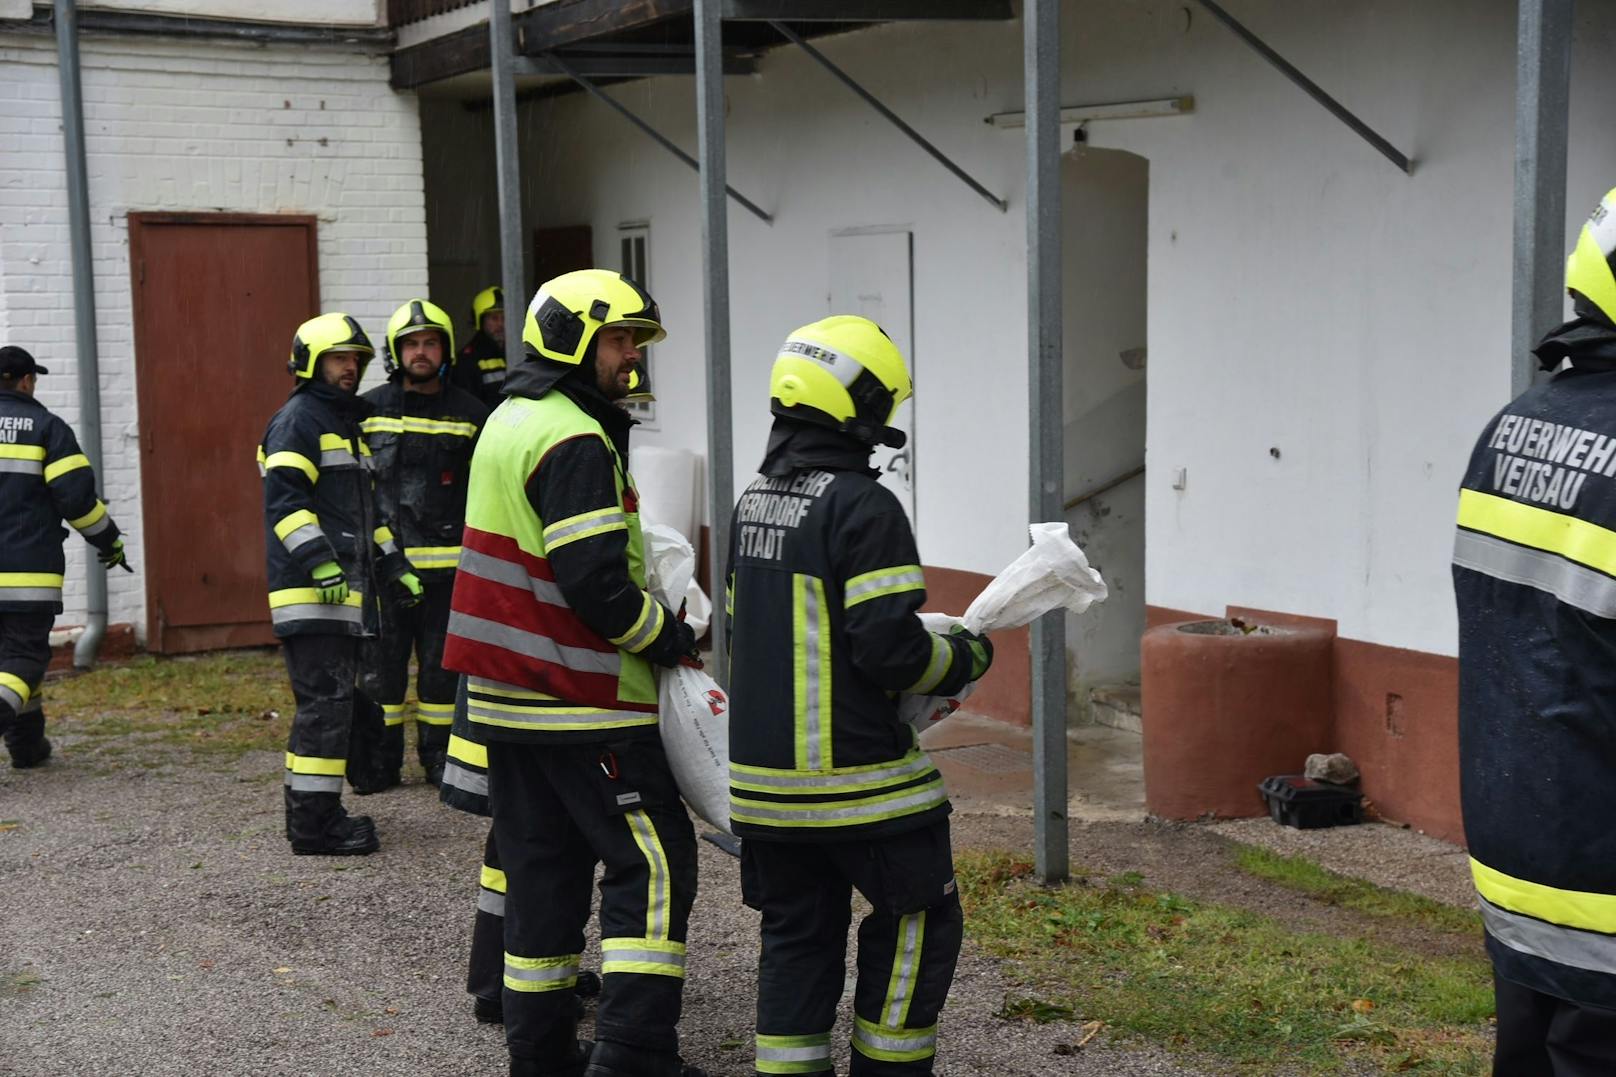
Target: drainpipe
(89, 370)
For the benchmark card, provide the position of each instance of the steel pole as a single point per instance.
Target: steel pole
(508, 168)
(715, 311)
(1542, 100)
(1041, 61)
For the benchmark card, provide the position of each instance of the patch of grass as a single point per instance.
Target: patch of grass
(1222, 981)
(224, 703)
(1303, 875)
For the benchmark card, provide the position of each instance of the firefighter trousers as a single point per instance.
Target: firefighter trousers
(907, 947)
(385, 662)
(485, 977)
(558, 810)
(24, 654)
(1543, 1036)
(322, 669)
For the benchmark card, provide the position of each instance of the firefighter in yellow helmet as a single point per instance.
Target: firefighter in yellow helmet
(559, 639)
(480, 369)
(1537, 685)
(828, 788)
(421, 432)
(329, 551)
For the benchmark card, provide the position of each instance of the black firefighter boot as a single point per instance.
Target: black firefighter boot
(564, 1054)
(26, 741)
(348, 835)
(610, 1059)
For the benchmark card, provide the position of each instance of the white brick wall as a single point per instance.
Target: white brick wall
(194, 126)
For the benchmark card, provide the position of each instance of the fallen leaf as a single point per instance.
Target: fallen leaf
(382, 1032)
(204, 964)
(283, 969)
(390, 1010)
(10, 824)
(1362, 1005)
(1091, 1029)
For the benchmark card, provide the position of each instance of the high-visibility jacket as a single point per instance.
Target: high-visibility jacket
(550, 619)
(44, 480)
(319, 506)
(824, 588)
(1534, 571)
(421, 446)
(479, 369)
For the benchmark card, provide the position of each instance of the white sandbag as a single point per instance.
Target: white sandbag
(694, 710)
(1052, 574)
(669, 485)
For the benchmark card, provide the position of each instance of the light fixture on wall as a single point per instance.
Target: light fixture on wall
(1120, 110)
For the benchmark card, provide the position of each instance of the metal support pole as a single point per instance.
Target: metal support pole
(89, 364)
(508, 168)
(600, 95)
(1311, 88)
(1041, 60)
(715, 311)
(847, 80)
(1542, 99)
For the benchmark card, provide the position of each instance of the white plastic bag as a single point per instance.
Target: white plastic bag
(1052, 574)
(695, 711)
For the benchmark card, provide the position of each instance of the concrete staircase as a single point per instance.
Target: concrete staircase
(1117, 706)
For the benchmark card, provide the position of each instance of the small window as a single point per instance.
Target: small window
(634, 241)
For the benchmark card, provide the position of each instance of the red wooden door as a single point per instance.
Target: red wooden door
(217, 298)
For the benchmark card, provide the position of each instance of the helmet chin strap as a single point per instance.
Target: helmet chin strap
(874, 433)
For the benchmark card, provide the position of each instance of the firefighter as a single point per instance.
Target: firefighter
(828, 789)
(559, 638)
(481, 366)
(1532, 572)
(328, 548)
(421, 432)
(44, 480)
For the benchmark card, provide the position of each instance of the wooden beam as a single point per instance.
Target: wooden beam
(864, 10)
(441, 58)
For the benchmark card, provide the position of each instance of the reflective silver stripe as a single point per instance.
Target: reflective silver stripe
(337, 458)
(22, 467)
(648, 631)
(811, 673)
(817, 1053)
(468, 781)
(551, 978)
(30, 594)
(389, 547)
(901, 1042)
(656, 916)
(533, 645)
(491, 902)
(870, 810)
(99, 526)
(877, 583)
(547, 718)
(605, 519)
(10, 698)
(317, 611)
(36, 703)
(1574, 584)
(942, 657)
(832, 780)
(1563, 945)
(498, 570)
(910, 930)
(303, 535)
(610, 957)
(314, 783)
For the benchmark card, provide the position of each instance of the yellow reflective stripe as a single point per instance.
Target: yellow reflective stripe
(839, 813)
(883, 581)
(294, 520)
(329, 442)
(648, 957)
(1569, 908)
(468, 751)
(294, 460)
(905, 967)
(889, 1044)
(942, 659)
(433, 556)
(91, 518)
(1571, 538)
(490, 364)
(645, 629)
(313, 764)
(729, 597)
(541, 973)
(657, 887)
(22, 452)
(435, 713)
(294, 596)
(382, 535)
(584, 525)
(414, 424)
(11, 683)
(839, 780)
(30, 579)
(57, 468)
(492, 879)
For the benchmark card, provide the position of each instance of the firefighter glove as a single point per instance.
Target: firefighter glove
(981, 649)
(330, 583)
(675, 647)
(113, 556)
(411, 583)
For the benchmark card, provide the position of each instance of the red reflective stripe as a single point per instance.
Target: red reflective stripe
(506, 549)
(520, 608)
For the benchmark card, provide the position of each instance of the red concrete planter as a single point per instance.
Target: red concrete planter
(1224, 709)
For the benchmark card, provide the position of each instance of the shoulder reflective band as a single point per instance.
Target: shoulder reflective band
(57, 468)
(22, 459)
(414, 424)
(541, 973)
(893, 1044)
(644, 630)
(295, 461)
(1569, 908)
(942, 659)
(584, 525)
(648, 957)
(883, 581)
(794, 1054)
(1571, 538)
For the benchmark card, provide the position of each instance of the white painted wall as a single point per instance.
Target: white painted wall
(310, 12)
(1305, 295)
(204, 127)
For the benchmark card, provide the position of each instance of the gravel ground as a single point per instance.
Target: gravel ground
(154, 922)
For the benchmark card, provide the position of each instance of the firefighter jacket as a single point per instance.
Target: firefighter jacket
(44, 480)
(420, 446)
(550, 618)
(824, 588)
(480, 368)
(319, 506)
(1534, 572)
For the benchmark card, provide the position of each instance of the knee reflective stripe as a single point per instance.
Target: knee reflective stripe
(888, 1044)
(311, 774)
(905, 966)
(394, 713)
(794, 1054)
(648, 957)
(491, 891)
(435, 713)
(33, 706)
(541, 973)
(656, 859)
(14, 691)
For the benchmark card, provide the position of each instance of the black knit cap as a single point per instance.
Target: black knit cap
(17, 363)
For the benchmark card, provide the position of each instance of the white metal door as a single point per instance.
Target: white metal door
(870, 274)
